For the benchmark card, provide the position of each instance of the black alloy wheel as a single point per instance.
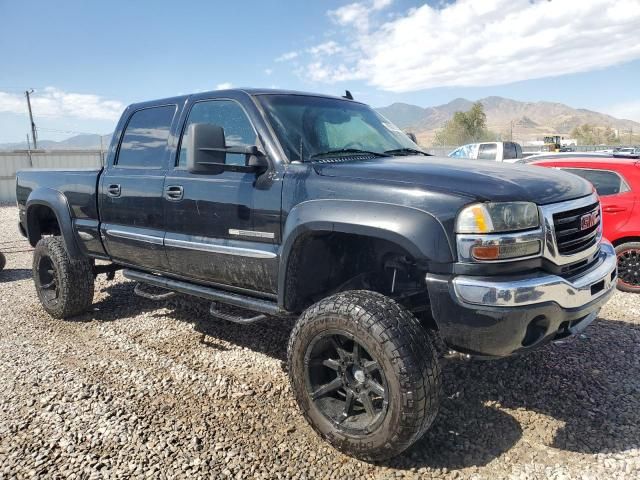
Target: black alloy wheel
(346, 383)
(47, 281)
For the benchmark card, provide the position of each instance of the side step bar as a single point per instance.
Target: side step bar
(208, 293)
(141, 292)
(215, 312)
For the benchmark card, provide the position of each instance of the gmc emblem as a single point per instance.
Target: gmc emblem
(588, 220)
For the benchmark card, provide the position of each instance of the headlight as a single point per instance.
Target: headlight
(497, 217)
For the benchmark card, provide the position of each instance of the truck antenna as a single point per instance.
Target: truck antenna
(347, 95)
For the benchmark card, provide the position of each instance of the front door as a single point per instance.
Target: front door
(223, 228)
(131, 191)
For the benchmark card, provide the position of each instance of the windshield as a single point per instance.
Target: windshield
(309, 127)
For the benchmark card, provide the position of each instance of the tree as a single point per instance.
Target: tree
(588, 134)
(465, 127)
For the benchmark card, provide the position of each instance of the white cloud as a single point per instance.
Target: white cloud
(357, 14)
(285, 57)
(224, 86)
(53, 102)
(327, 48)
(481, 42)
(268, 71)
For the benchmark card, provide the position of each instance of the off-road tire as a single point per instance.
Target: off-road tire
(403, 347)
(74, 279)
(625, 247)
(3, 261)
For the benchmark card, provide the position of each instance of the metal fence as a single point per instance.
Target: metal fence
(11, 162)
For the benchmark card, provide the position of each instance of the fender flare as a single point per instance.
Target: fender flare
(418, 232)
(57, 202)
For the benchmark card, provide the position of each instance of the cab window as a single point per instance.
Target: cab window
(145, 138)
(487, 151)
(605, 181)
(227, 114)
(510, 151)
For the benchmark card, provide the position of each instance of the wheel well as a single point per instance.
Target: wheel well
(622, 240)
(41, 220)
(323, 263)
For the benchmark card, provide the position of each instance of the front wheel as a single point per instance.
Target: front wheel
(364, 373)
(64, 285)
(629, 267)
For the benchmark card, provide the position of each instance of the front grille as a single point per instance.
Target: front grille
(580, 267)
(570, 238)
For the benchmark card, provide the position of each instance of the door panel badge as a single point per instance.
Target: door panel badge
(250, 233)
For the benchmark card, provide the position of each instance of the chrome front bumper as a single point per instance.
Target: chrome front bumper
(540, 288)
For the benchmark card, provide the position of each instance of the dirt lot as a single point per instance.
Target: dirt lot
(136, 389)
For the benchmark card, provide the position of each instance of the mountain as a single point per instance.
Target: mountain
(77, 142)
(403, 114)
(529, 120)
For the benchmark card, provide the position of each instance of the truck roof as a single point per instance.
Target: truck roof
(249, 91)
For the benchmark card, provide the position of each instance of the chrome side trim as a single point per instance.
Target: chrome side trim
(466, 241)
(517, 291)
(140, 237)
(217, 248)
(251, 233)
(550, 244)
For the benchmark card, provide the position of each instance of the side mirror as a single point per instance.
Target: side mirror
(412, 136)
(206, 152)
(258, 162)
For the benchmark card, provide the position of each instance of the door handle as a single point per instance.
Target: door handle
(174, 192)
(114, 190)
(613, 209)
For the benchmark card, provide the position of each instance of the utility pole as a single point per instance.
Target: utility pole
(33, 125)
(630, 135)
(511, 131)
(29, 151)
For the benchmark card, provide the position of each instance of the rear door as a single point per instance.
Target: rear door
(223, 228)
(616, 198)
(131, 201)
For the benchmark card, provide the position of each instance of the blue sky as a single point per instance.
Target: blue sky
(86, 60)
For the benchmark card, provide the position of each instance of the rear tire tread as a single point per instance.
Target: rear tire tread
(74, 276)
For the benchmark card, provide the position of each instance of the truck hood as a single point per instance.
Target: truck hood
(478, 179)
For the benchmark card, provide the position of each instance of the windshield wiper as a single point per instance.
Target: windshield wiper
(406, 151)
(341, 151)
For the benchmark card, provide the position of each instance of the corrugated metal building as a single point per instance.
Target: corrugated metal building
(12, 161)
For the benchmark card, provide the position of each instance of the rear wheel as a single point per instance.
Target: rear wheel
(629, 267)
(64, 286)
(364, 373)
(3, 261)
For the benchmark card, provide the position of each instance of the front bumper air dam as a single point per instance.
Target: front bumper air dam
(499, 316)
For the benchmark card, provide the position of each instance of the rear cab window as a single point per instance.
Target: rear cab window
(606, 182)
(144, 141)
(487, 151)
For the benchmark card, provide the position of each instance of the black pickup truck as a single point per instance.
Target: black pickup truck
(285, 204)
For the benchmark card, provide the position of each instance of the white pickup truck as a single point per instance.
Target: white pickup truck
(509, 152)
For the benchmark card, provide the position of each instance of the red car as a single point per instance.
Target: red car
(617, 181)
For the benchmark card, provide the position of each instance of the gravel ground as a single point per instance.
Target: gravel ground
(135, 389)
